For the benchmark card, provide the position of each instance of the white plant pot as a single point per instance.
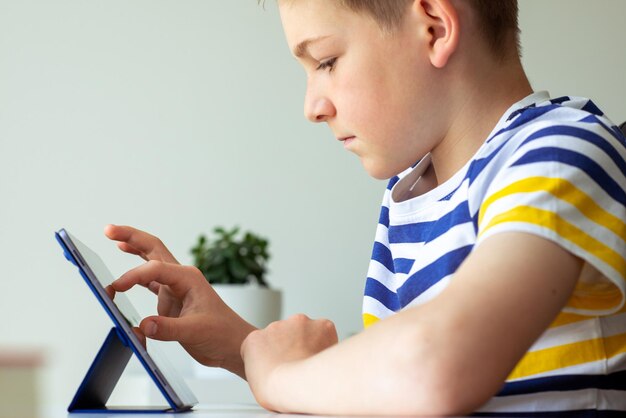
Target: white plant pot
(258, 305)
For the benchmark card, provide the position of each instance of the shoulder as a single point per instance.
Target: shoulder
(562, 123)
(569, 132)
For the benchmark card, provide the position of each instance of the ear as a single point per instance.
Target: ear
(441, 21)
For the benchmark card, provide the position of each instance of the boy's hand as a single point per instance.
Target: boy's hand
(279, 344)
(190, 311)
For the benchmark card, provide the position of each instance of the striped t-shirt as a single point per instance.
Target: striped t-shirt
(555, 168)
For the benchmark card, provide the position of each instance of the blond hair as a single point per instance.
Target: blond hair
(497, 19)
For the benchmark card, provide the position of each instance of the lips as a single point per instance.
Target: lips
(346, 140)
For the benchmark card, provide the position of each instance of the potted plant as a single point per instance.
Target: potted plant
(236, 264)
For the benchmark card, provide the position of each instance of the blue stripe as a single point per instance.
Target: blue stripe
(613, 381)
(383, 219)
(618, 134)
(428, 231)
(478, 165)
(589, 119)
(560, 100)
(583, 134)
(403, 265)
(410, 233)
(586, 164)
(392, 182)
(592, 108)
(420, 281)
(449, 195)
(520, 111)
(378, 291)
(614, 131)
(526, 115)
(382, 254)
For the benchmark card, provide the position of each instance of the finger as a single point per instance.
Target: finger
(130, 249)
(177, 277)
(154, 287)
(141, 243)
(140, 335)
(110, 292)
(163, 328)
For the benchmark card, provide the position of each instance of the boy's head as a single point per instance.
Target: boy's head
(387, 75)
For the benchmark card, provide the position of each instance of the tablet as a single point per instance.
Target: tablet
(125, 317)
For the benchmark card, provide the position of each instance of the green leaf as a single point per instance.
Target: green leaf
(229, 259)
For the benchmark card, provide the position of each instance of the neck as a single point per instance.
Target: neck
(477, 107)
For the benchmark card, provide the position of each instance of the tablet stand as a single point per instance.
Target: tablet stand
(102, 376)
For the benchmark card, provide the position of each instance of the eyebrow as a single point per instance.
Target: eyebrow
(302, 48)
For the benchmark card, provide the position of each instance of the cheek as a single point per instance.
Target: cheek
(365, 105)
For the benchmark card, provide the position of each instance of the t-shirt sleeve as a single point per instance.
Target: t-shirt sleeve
(566, 184)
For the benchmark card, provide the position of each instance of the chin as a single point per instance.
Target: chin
(379, 171)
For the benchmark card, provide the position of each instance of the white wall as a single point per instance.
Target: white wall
(577, 47)
(176, 116)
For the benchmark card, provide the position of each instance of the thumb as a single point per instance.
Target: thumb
(162, 328)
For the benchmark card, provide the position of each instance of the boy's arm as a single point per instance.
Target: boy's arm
(448, 356)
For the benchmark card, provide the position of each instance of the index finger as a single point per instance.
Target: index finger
(138, 242)
(173, 275)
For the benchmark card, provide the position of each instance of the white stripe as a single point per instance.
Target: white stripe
(612, 400)
(381, 234)
(546, 201)
(406, 249)
(583, 182)
(558, 401)
(380, 273)
(593, 328)
(568, 334)
(431, 211)
(613, 325)
(374, 307)
(456, 237)
(616, 363)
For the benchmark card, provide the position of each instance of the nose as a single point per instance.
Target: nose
(317, 107)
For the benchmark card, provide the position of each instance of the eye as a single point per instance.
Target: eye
(328, 64)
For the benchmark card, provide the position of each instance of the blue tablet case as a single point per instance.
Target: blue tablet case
(107, 368)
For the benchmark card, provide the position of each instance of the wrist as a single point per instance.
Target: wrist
(233, 362)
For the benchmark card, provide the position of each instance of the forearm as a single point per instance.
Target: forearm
(376, 372)
(345, 379)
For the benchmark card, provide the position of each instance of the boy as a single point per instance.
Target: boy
(497, 277)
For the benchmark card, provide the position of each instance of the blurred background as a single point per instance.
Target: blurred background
(177, 116)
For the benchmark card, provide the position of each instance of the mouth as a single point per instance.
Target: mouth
(346, 140)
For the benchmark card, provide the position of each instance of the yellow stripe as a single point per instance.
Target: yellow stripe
(605, 297)
(554, 358)
(564, 190)
(565, 318)
(369, 319)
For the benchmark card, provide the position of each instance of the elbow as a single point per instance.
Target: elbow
(448, 395)
(441, 384)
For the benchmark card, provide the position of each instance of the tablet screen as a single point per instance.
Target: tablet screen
(100, 277)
